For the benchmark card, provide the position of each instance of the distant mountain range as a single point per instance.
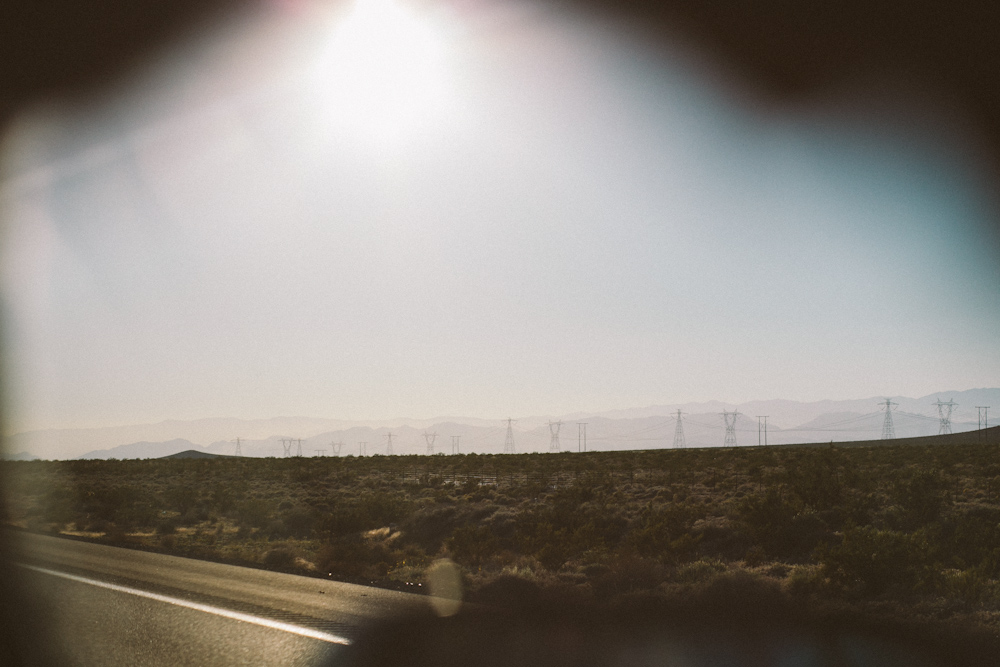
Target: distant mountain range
(635, 428)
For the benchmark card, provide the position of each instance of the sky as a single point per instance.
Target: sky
(380, 209)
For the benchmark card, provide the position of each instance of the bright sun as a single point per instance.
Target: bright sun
(384, 75)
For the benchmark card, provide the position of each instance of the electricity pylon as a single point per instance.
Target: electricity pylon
(984, 417)
(730, 418)
(508, 444)
(336, 447)
(679, 442)
(581, 436)
(286, 444)
(388, 443)
(430, 438)
(888, 432)
(944, 415)
(764, 417)
(554, 445)
(239, 452)
(298, 451)
(362, 449)
(454, 443)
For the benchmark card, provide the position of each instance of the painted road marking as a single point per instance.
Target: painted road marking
(207, 608)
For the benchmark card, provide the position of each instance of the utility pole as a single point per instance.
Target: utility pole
(679, 441)
(454, 444)
(388, 443)
(730, 418)
(321, 452)
(430, 438)
(362, 449)
(944, 415)
(888, 432)
(759, 417)
(508, 444)
(581, 436)
(554, 432)
(286, 444)
(984, 419)
(238, 451)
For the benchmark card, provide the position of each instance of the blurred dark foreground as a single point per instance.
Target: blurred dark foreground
(737, 621)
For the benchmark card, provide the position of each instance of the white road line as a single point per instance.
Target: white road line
(209, 609)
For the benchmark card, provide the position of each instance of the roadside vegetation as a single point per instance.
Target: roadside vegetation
(893, 530)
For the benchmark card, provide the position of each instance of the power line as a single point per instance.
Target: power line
(679, 441)
(730, 418)
(508, 443)
(888, 432)
(984, 419)
(430, 438)
(764, 417)
(554, 445)
(944, 415)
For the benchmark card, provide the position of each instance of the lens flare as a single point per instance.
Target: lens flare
(384, 74)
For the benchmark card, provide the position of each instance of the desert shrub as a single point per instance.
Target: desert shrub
(59, 505)
(664, 532)
(972, 538)
(166, 527)
(181, 498)
(815, 476)
(355, 556)
(280, 558)
(254, 512)
(472, 544)
(367, 511)
(106, 502)
(700, 571)
(629, 574)
(921, 498)
(300, 522)
(781, 526)
(870, 561)
(804, 581)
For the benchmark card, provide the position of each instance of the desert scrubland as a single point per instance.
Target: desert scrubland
(908, 531)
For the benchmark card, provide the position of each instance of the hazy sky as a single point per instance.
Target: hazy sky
(396, 210)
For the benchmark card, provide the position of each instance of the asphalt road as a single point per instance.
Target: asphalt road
(111, 606)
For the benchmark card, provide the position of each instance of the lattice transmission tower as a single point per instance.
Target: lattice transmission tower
(239, 452)
(286, 444)
(581, 436)
(888, 432)
(455, 440)
(944, 415)
(984, 418)
(759, 427)
(508, 444)
(388, 443)
(679, 442)
(554, 445)
(430, 438)
(730, 418)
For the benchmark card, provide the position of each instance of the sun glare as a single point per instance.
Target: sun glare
(384, 74)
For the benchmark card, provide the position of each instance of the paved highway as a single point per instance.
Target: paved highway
(112, 606)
